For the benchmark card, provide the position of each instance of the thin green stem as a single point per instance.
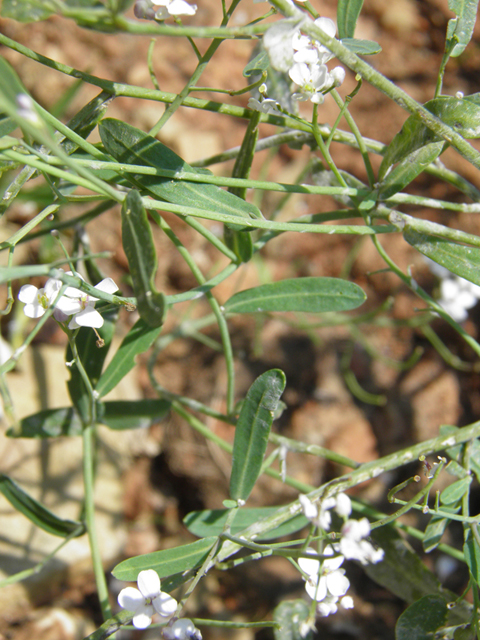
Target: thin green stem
(88, 440)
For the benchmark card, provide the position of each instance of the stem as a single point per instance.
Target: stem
(88, 440)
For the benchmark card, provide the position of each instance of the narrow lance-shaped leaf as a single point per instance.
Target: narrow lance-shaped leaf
(36, 512)
(212, 522)
(362, 47)
(471, 551)
(463, 25)
(132, 414)
(241, 242)
(138, 340)
(459, 259)
(310, 295)
(138, 244)
(463, 115)
(347, 16)
(252, 431)
(167, 562)
(132, 146)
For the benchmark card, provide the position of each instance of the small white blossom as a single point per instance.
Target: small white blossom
(81, 305)
(311, 78)
(267, 105)
(343, 505)
(325, 579)
(277, 40)
(353, 546)
(37, 301)
(182, 629)
(347, 602)
(310, 51)
(147, 599)
(146, 9)
(457, 296)
(320, 516)
(26, 108)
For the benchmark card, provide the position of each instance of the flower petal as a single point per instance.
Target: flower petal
(34, 310)
(27, 293)
(337, 583)
(141, 620)
(316, 590)
(148, 582)
(90, 318)
(181, 8)
(107, 285)
(164, 604)
(131, 599)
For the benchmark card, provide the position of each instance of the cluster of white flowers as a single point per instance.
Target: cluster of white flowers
(163, 9)
(325, 580)
(457, 295)
(304, 59)
(75, 303)
(148, 600)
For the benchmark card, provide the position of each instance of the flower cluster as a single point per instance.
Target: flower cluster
(457, 295)
(147, 600)
(325, 580)
(304, 59)
(146, 9)
(73, 303)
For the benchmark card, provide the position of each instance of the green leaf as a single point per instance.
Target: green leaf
(211, 522)
(7, 125)
(11, 85)
(27, 10)
(422, 619)
(455, 491)
(85, 121)
(463, 115)
(37, 513)
(409, 168)
(463, 25)
(347, 16)
(134, 414)
(138, 340)
(167, 562)
(252, 431)
(257, 65)
(310, 295)
(362, 47)
(459, 259)
(401, 571)
(291, 615)
(49, 423)
(132, 146)
(138, 244)
(471, 551)
(434, 532)
(241, 242)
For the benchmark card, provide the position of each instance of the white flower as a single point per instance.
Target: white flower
(321, 516)
(457, 296)
(353, 546)
(347, 602)
(26, 108)
(147, 599)
(325, 579)
(182, 629)
(311, 78)
(37, 301)
(146, 9)
(174, 8)
(277, 40)
(310, 51)
(343, 505)
(81, 305)
(267, 105)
